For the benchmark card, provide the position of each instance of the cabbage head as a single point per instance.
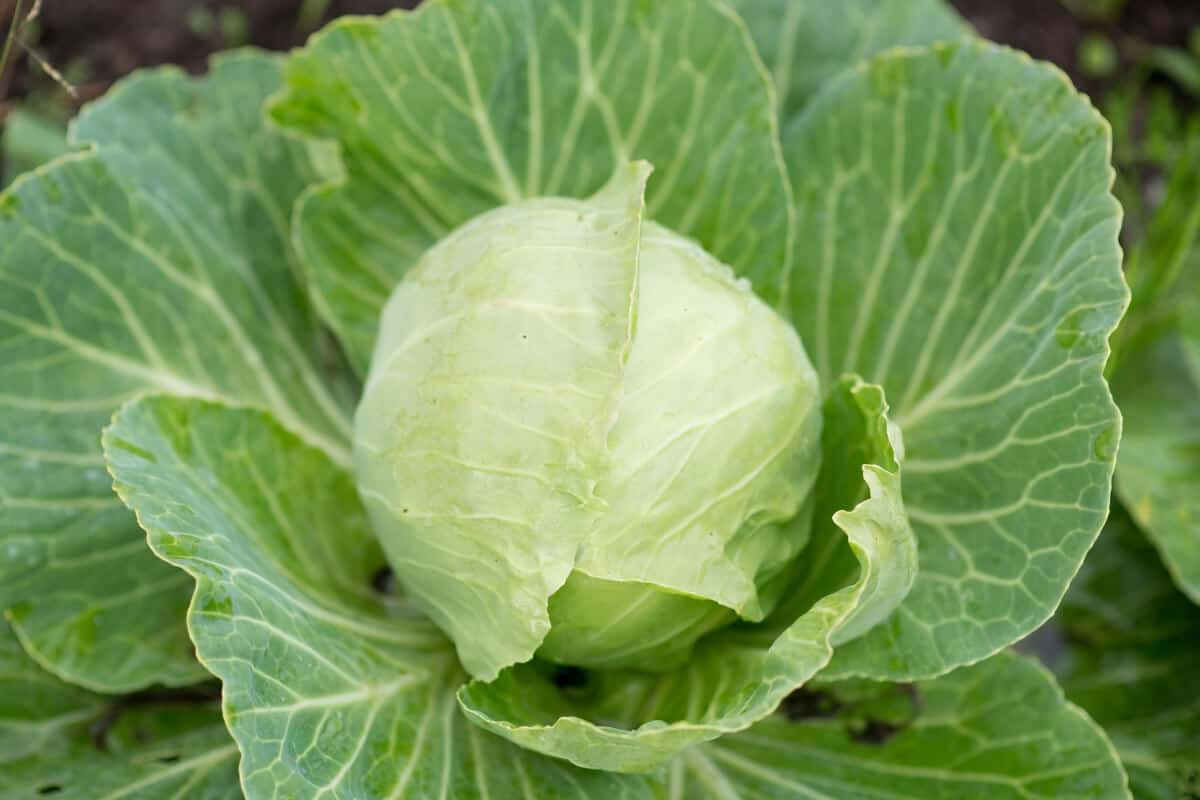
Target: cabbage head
(614, 437)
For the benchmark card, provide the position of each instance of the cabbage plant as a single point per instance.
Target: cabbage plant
(556, 398)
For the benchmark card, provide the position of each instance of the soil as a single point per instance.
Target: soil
(1051, 30)
(110, 38)
(96, 41)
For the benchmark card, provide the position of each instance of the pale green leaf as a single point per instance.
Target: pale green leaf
(630, 721)
(448, 111)
(1133, 661)
(482, 519)
(1158, 474)
(62, 741)
(157, 260)
(996, 730)
(805, 43)
(712, 462)
(858, 431)
(957, 242)
(331, 689)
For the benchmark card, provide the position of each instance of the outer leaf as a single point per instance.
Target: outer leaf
(999, 729)
(739, 676)
(806, 42)
(331, 690)
(958, 245)
(1158, 479)
(159, 260)
(35, 707)
(1134, 664)
(458, 107)
(49, 732)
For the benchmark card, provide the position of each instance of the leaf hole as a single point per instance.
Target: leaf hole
(169, 758)
(204, 694)
(49, 789)
(384, 581)
(875, 731)
(805, 704)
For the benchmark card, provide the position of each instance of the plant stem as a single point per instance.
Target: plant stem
(13, 26)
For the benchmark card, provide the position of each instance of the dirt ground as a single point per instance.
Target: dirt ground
(94, 42)
(1051, 30)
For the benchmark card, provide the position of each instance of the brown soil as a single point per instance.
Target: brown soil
(1049, 30)
(111, 38)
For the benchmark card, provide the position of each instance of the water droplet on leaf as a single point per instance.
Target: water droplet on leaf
(21, 555)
